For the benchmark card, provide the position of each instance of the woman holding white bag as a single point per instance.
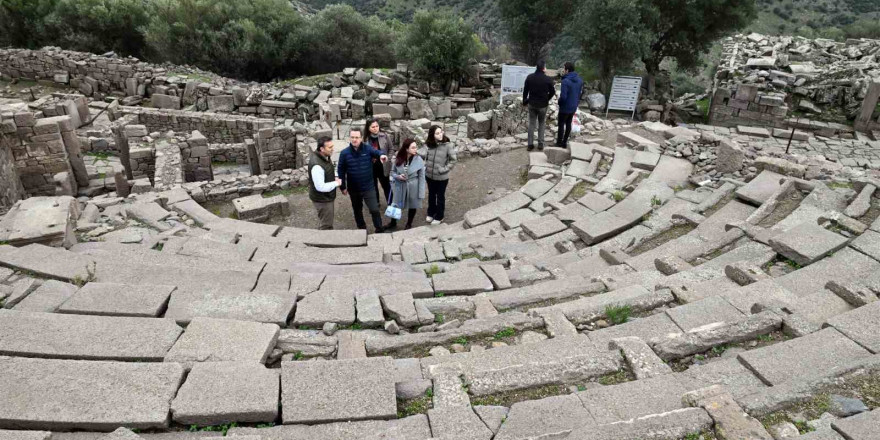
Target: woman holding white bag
(408, 180)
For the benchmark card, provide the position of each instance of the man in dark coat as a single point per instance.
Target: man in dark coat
(537, 93)
(569, 98)
(356, 171)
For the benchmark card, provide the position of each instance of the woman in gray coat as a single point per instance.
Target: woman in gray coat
(408, 180)
(440, 158)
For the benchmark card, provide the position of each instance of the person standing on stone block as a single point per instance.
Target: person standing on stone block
(323, 182)
(358, 182)
(440, 158)
(382, 142)
(537, 93)
(569, 98)
(408, 175)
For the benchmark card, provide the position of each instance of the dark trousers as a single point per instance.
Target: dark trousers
(564, 129)
(437, 198)
(410, 215)
(379, 173)
(357, 205)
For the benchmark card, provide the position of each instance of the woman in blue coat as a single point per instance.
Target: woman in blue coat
(408, 180)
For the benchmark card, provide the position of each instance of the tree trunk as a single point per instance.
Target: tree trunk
(652, 68)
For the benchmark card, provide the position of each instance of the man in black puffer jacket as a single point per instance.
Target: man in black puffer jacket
(537, 93)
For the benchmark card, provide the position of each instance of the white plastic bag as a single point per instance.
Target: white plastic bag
(575, 124)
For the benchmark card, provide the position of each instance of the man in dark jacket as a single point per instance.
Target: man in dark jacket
(537, 93)
(356, 171)
(569, 98)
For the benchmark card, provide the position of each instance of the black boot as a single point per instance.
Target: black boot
(392, 224)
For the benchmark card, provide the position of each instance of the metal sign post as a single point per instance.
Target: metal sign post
(624, 94)
(513, 79)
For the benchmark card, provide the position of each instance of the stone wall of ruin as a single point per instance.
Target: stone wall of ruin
(229, 153)
(43, 152)
(217, 128)
(277, 149)
(11, 189)
(169, 165)
(353, 93)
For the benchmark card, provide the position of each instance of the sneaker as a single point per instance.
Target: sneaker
(380, 230)
(540, 148)
(436, 222)
(530, 148)
(429, 219)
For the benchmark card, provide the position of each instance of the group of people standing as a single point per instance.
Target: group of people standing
(537, 93)
(406, 179)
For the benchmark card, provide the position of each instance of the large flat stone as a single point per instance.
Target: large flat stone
(759, 189)
(458, 423)
(592, 308)
(271, 306)
(868, 243)
(514, 219)
(543, 227)
(223, 392)
(818, 353)
(344, 390)
(861, 325)
(410, 428)
(536, 188)
(807, 243)
(492, 211)
(466, 281)
(317, 238)
(550, 416)
(88, 395)
(706, 311)
(49, 262)
(629, 400)
(47, 298)
(813, 278)
(53, 335)
(308, 343)
(645, 328)
(554, 361)
(376, 345)
(118, 300)
(47, 220)
(307, 254)
(674, 424)
(864, 426)
(24, 435)
(389, 283)
(547, 291)
(219, 340)
(729, 373)
(326, 305)
(596, 202)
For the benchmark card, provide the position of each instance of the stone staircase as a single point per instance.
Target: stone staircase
(618, 302)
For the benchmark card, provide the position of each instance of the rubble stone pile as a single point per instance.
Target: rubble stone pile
(764, 80)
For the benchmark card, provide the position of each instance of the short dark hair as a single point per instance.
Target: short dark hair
(360, 131)
(540, 65)
(569, 66)
(322, 141)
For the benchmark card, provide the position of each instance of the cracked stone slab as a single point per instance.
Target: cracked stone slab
(112, 299)
(759, 189)
(465, 281)
(458, 423)
(817, 353)
(410, 428)
(224, 392)
(807, 243)
(46, 298)
(342, 390)
(219, 340)
(550, 417)
(861, 325)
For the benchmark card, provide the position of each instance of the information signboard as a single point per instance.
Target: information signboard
(513, 79)
(624, 94)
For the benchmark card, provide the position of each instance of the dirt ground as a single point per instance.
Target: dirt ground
(469, 185)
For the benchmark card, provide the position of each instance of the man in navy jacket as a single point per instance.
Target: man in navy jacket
(356, 171)
(569, 97)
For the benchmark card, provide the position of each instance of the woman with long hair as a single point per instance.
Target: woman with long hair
(440, 158)
(408, 180)
(376, 138)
